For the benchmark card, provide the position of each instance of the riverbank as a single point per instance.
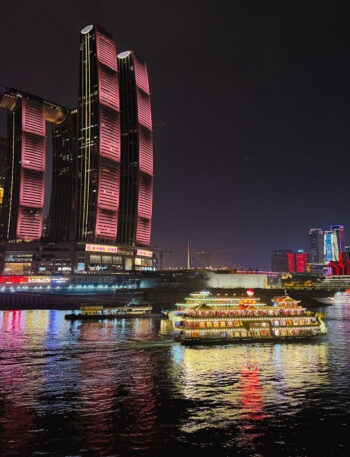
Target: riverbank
(159, 298)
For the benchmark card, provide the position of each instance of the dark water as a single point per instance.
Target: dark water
(124, 388)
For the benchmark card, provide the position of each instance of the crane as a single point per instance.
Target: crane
(161, 255)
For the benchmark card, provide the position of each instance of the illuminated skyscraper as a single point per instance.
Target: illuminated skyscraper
(301, 261)
(136, 194)
(339, 230)
(291, 261)
(99, 137)
(22, 214)
(331, 247)
(316, 245)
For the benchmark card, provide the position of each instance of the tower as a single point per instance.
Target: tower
(339, 230)
(98, 162)
(62, 212)
(331, 246)
(316, 245)
(135, 215)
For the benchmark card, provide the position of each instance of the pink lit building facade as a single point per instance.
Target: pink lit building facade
(135, 217)
(22, 212)
(115, 147)
(102, 173)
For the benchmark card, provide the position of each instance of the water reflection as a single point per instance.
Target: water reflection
(124, 388)
(246, 384)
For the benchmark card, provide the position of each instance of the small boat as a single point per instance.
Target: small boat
(345, 295)
(93, 312)
(205, 319)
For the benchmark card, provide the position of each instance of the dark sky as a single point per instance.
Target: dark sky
(254, 97)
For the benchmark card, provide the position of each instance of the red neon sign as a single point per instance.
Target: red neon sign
(13, 279)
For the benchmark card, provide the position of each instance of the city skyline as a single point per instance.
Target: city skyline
(271, 113)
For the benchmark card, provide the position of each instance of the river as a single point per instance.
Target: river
(124, 388)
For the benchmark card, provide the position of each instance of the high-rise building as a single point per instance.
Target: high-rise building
(301, 261)
(279, 260)
(331, 246)
(339, 230)
(61, 221)
(316, 245)
(291, 262)
(25, 182)
(347, 253)
(135, 214)
(99, 137)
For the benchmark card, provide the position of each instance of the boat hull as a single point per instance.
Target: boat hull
(225, 341)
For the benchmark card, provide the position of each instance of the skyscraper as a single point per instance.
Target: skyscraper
(99, 137)
(301, 261)
(61, 223)
(291, 261)
(280, 262)
(137, 151)
(339, 230)
(25, 183)
(331, 247)
(316, 245)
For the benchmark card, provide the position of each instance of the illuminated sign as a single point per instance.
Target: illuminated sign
(59, 280)
(137, 261)
(39, 279)
(144, 253)
(13, 279)
(100, 248)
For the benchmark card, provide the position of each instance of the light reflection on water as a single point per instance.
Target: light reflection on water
(124, 388)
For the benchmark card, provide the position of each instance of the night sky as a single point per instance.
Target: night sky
(250, 105)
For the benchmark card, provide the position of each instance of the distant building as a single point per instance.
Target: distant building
(347, 253)
(316, 245)
(301, 261)
(279, 261)
(331, 246)
(316, 268)
(291, 262)
(339, 230)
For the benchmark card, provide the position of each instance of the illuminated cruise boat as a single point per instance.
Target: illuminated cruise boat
(204, 318)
